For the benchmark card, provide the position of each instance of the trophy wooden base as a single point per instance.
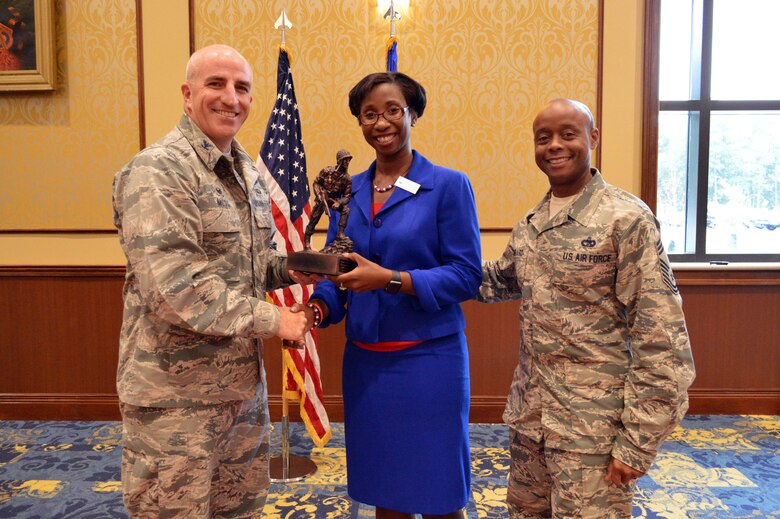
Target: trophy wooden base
(319, 263)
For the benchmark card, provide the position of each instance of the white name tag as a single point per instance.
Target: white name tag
(407, 185)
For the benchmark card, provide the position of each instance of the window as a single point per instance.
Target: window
(717, 118)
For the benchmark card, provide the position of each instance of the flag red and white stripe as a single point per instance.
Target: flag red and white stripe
(282, 163)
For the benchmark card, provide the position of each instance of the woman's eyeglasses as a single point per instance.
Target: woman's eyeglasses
(391, 114)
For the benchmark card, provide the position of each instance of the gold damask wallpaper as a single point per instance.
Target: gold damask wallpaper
(60, 149)
(487, 66)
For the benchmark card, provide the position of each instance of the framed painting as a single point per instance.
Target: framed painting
(27, 57)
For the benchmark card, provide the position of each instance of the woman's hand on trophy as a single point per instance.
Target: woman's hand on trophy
(366, 276)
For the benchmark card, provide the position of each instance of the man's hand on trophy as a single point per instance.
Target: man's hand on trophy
(305, 278)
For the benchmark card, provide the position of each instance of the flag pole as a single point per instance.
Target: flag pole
(287, 468)
(391, 50)
(285, 422)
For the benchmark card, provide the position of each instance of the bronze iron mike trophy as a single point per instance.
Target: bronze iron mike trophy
(332, 190)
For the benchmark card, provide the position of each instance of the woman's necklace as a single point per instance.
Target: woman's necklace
(391, 186)
(383, 189)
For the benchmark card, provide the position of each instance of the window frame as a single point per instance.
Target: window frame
(704, 107)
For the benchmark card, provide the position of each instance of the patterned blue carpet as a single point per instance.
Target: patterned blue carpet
(711, 467)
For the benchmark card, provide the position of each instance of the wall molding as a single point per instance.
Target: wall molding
(484, 409)
(600, 81)
(70, 316)
(650, 96)
(707, 277)
(703, 277)
(62, 271)
(53, 406)
(58, 231)
(734, 401)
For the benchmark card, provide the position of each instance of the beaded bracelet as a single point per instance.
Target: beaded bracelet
(317, 314)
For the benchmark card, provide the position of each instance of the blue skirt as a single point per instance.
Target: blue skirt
(406, 426)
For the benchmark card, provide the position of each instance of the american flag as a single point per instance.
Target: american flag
(282, 163)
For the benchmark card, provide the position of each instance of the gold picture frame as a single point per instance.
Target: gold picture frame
(27, 55)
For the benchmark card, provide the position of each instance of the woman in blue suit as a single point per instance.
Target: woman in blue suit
(406, 373)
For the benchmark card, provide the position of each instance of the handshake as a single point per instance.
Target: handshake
(294, 323)
(361, 275)
(298, 319)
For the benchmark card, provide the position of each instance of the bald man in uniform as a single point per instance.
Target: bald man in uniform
(605, 361)
(194, 221)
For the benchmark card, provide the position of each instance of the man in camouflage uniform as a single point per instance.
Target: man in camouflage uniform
(195, 224)
(605, 360)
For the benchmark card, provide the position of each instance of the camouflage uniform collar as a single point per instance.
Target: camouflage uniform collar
(586, 204)
(208, 152)
(581, 210)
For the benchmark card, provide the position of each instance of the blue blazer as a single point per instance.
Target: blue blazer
(433, 235)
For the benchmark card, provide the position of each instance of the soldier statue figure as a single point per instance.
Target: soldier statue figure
(332, 189)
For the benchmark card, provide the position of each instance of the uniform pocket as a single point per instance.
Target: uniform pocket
(219, 220)
(595, 397)
(588, 280)
(584, 269)
(211, 367)
(221, 235)
(261, 206)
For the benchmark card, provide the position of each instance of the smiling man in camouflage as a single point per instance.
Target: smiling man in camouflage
(195, 224)
(605, 361)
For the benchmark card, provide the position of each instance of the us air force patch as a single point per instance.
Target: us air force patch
(666, 269)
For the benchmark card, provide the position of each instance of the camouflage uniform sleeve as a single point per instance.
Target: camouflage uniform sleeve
(502, 278)
(160, 229)
(277, 274)
(655, 396)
